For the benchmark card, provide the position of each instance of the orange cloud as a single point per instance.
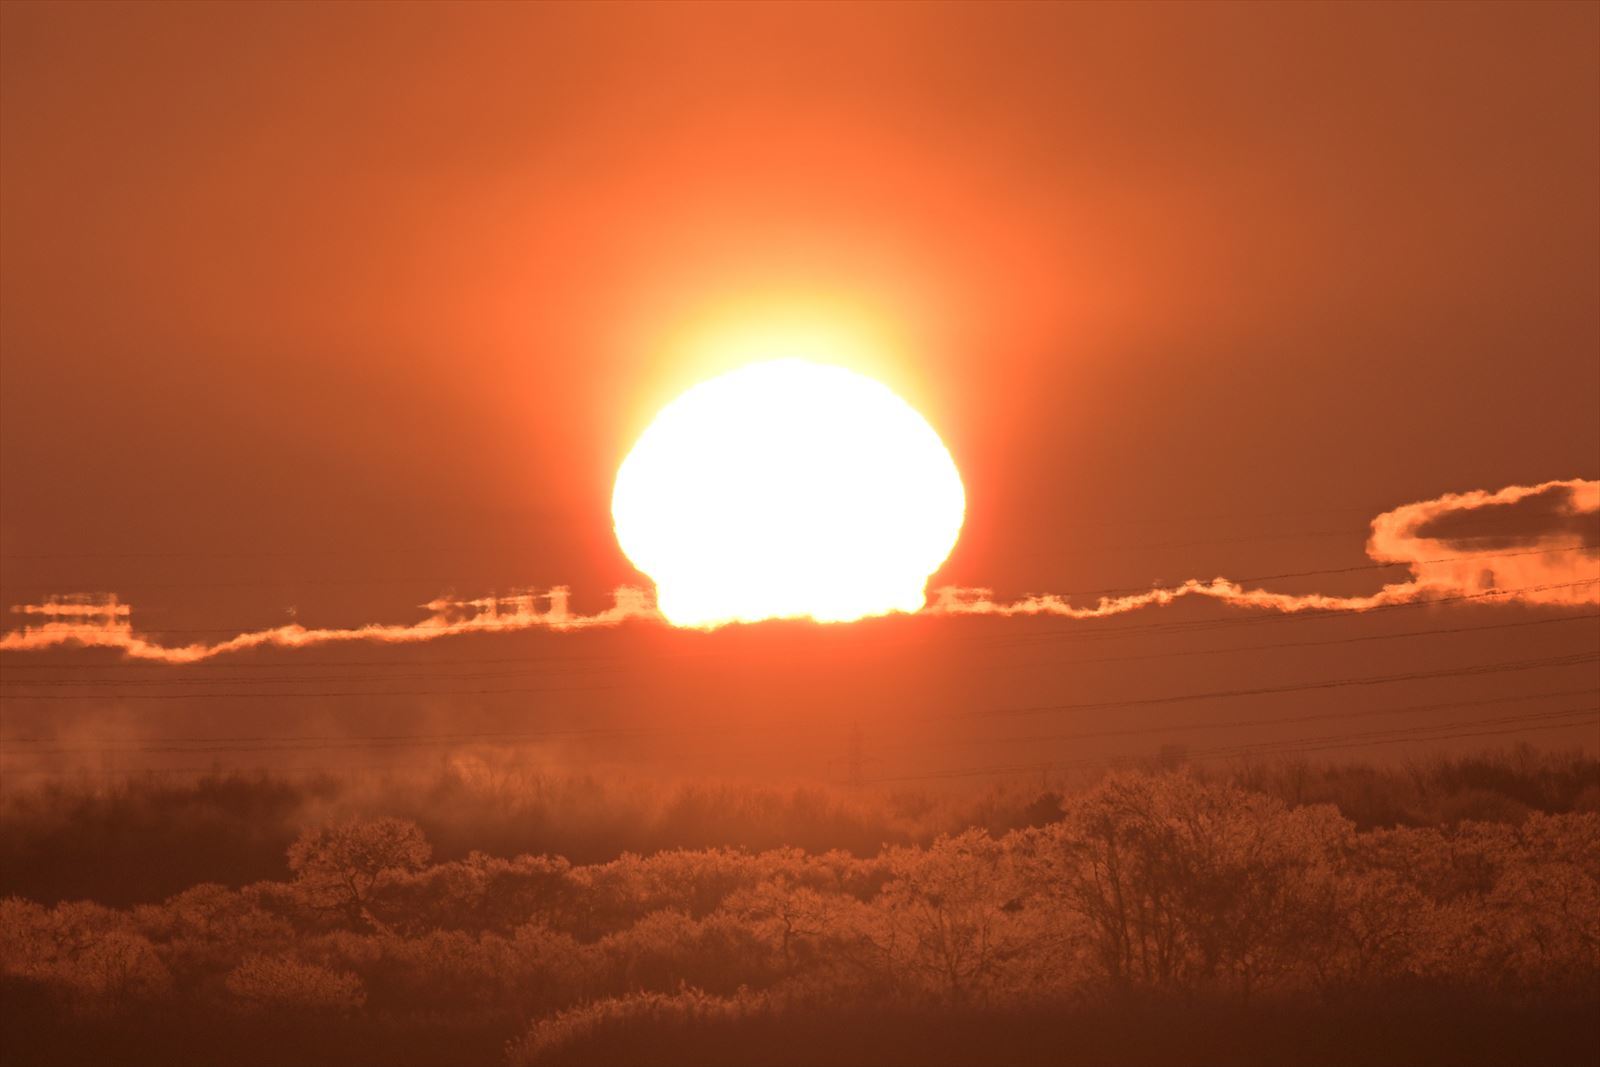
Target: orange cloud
(1543, 538)
(448, 617)
(1535, 544)
(78, 605)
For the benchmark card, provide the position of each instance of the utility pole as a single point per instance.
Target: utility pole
(852, 767)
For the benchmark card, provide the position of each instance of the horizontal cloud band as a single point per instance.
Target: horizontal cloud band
(1526, 544)
(1538, 543)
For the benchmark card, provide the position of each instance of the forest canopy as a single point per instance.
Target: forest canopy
(1177, 896)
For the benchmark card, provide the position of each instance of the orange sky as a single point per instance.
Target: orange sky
(334, 307)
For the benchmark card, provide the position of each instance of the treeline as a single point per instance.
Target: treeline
(1153, 918)
(142, 839)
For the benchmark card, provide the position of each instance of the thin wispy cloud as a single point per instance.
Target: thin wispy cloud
(1536, 545)
(112, 626)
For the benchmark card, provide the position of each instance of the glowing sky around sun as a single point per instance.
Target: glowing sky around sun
(788, 489)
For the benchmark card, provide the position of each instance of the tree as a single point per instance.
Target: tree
(338, 866)
(1190, 886)
(86, 954)
(952, 920)
(794, 919)
(282, 984)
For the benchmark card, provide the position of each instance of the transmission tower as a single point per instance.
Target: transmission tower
(853, 758)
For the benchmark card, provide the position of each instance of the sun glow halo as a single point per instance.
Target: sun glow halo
(787, 489)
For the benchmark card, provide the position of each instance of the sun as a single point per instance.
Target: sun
(788, 489)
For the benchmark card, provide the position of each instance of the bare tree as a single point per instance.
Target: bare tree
(337, 866)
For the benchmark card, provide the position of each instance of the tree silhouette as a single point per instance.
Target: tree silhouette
(338, 866)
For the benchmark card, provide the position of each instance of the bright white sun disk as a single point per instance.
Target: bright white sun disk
(788, 489)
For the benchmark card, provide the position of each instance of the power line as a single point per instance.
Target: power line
(1142, 731)
(1359, 639)
(598, 664)
(1528, 723)
(384, 769)
(1569, 660)
(1583, 714)
(316, 742)
(326, 694)
(281, 680)
(325, 741)
(299, 664)
(1573, 660)
(1238, 752)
